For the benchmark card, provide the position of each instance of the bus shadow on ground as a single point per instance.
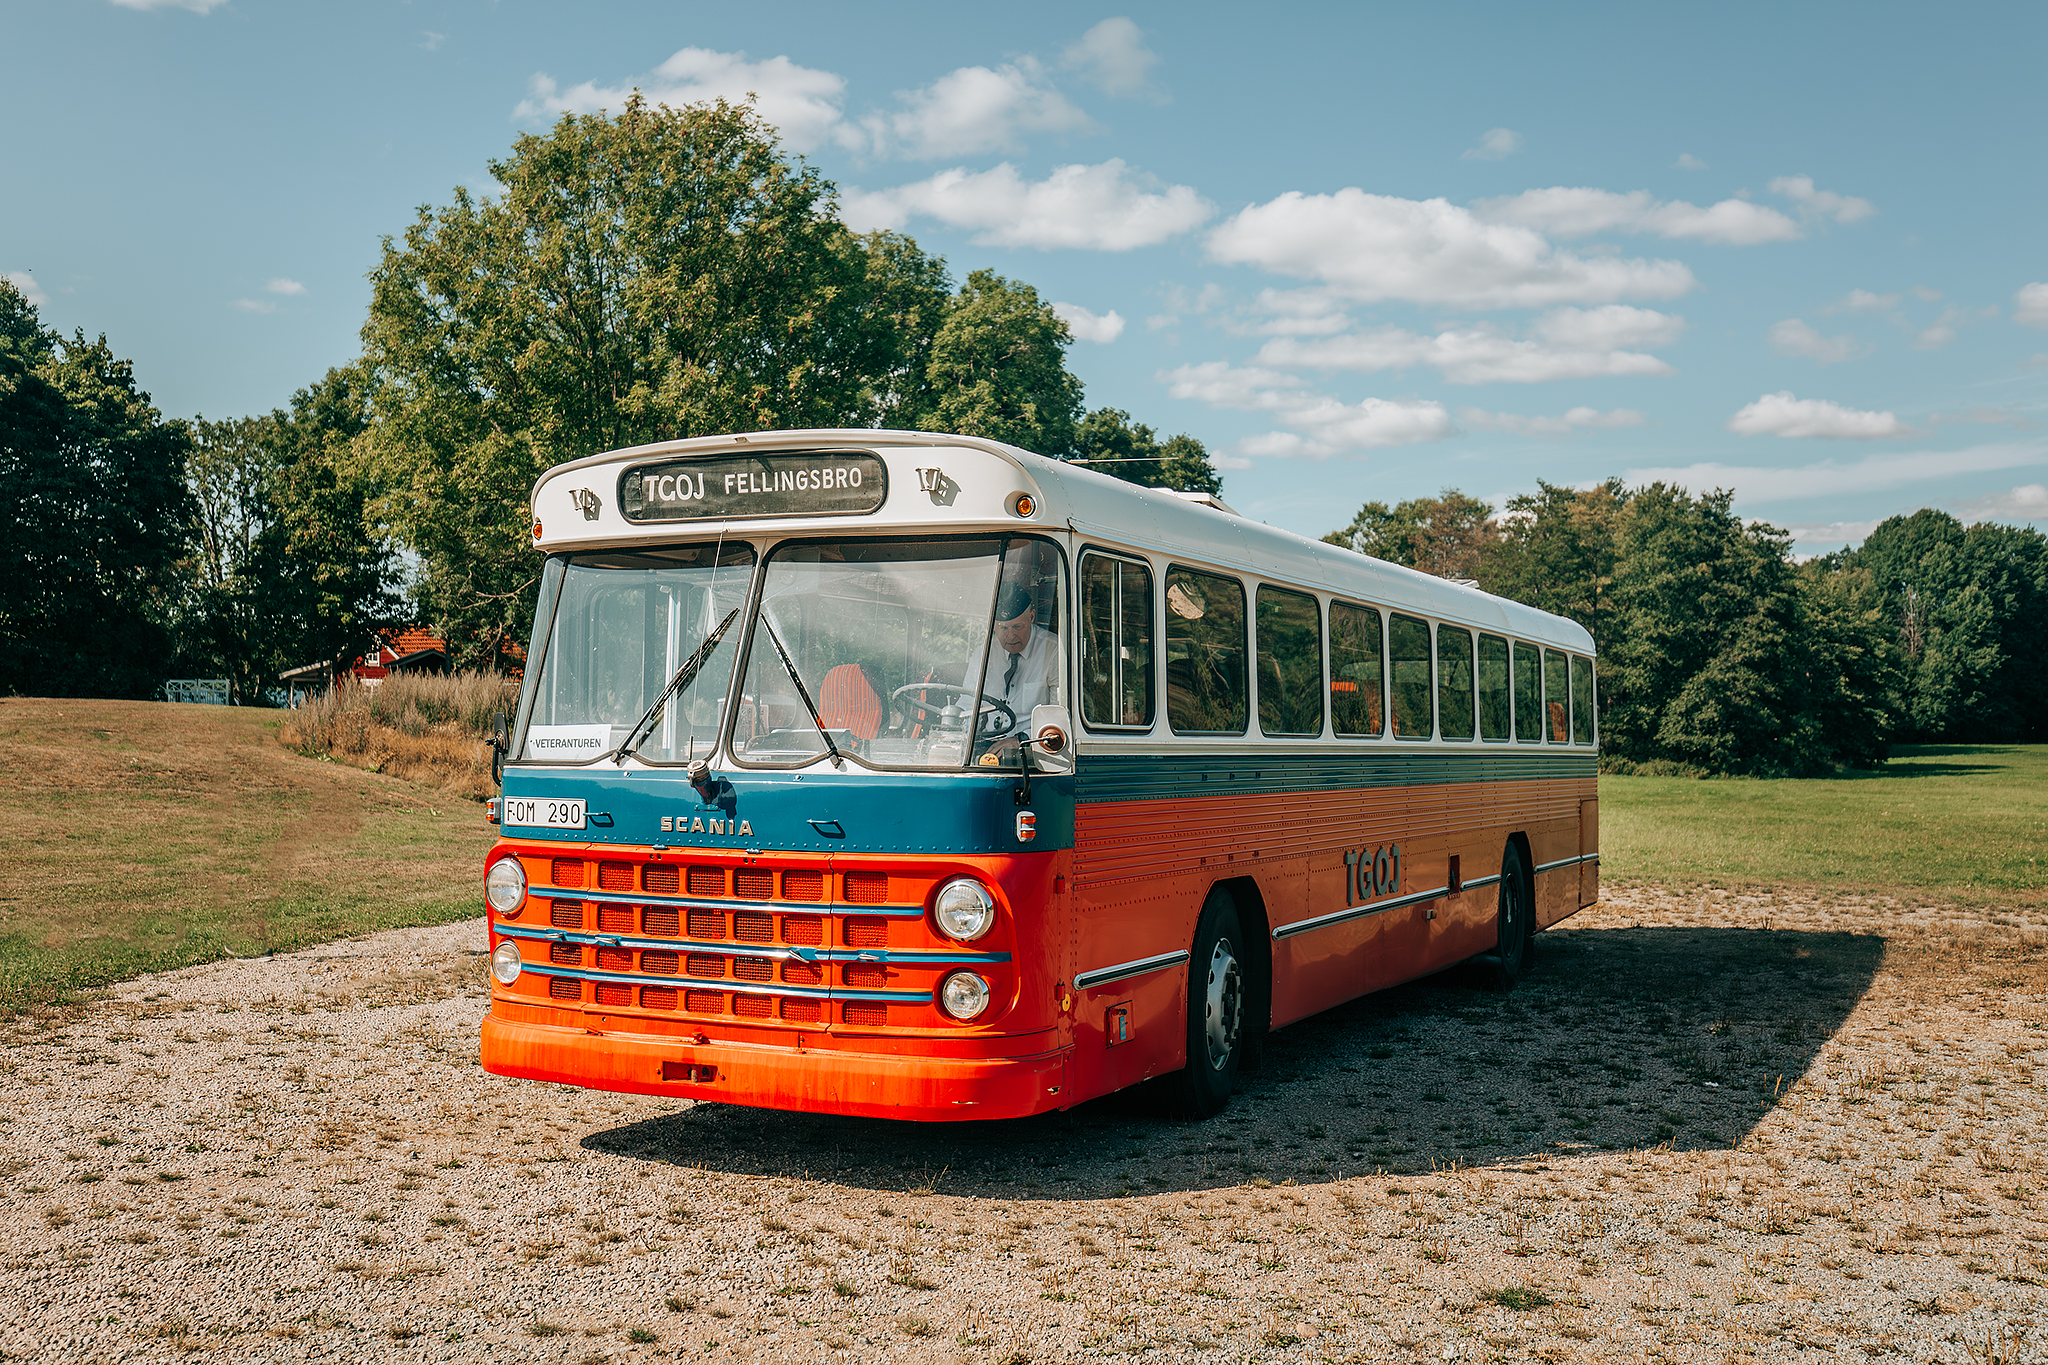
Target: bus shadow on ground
(1620, 1038)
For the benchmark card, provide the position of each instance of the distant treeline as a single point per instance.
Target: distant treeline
(651, 276)
(1719, 653)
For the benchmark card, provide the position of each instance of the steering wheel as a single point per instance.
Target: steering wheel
(921, 711)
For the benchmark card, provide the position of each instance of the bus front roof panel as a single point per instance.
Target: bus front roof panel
(988, 474)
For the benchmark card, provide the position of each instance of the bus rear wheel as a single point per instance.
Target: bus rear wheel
(1517, 924)
(1215, 1014)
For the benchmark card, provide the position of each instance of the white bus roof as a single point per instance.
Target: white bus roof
(576, 506)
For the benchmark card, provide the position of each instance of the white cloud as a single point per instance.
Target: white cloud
(1296, 312)
(1101, 208)
(1474, 355)
(1814, 203)
(431, 41)
(30, 290)
(1831, 532)
(1567, 211)
(1834, 479)
(1688, 162)
(196, 6)
(974, 110)
(284, 286)
(1794, 337)
(1481, 420)
(1372, 247)
(1570, 343)
(2030, 305)
(1087, 326)
(1780, 414)
(2028, 502)
(1863, 301)
(1113, 57)
(1609, 327)
(254, 305)
(802, 103)
(1321, 425)
(1494, 144)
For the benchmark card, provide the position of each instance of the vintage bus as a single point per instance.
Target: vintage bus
(910, 775)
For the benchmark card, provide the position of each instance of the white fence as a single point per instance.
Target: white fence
(198, 691)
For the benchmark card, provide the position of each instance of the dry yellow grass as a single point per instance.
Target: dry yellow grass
(424, 729)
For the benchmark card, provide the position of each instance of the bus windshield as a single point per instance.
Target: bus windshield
(915, 654)
(623, 627)
(925, 654)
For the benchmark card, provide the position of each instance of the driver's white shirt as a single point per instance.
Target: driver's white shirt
(1037, 675)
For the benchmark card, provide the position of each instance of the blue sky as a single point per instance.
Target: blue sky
(1361, 251)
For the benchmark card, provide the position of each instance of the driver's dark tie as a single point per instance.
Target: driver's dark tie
(1010, 673)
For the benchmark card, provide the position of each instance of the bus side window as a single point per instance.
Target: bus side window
(1205, 681)
(1290, 630)
(1493, 688)
(1357, 689)
(1528, 693)
(1116, 662)
(1454, 682)
(1557, 697)
(1408, 642)
(1582, 700)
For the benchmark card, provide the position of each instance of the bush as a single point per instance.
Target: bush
(423, 728)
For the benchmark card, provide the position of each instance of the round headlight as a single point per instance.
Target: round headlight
(964, 995)
(505, 886)
(965, 910)
(505, 962)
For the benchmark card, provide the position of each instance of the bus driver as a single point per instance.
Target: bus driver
(1028, 660)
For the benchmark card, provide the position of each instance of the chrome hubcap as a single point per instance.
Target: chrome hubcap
(1223, 1005)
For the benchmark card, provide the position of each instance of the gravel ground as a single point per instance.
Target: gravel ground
(1711, 1127)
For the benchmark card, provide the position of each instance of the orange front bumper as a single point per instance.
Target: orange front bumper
(868, 1084)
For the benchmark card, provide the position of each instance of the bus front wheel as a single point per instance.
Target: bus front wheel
(1517, 924)
(1215, 1014)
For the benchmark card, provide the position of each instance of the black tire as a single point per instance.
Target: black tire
(1216, 1011)
(1515, 931)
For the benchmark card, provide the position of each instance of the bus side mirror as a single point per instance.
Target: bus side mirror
(497, 742)
(1052, 739)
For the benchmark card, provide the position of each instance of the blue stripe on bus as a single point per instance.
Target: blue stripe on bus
(1160, 777)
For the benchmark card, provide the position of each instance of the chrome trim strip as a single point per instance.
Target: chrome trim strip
(550, 934)
(1479, 881)
(1302, 926)
(1568, 862)
(726, 983)
(1123, 971)
(570, 893)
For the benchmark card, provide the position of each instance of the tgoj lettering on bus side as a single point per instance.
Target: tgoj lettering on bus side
(1370, 872)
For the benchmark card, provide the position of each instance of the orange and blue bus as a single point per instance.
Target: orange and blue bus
(911, 775)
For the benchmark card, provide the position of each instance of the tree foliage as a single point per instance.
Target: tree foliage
(660, 274)
(95, 520)
(1109, 442)
(1444, 535)
(1967, 606)
(287, 566)
(998, 369)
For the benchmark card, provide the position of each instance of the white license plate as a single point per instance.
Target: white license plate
(524, 810)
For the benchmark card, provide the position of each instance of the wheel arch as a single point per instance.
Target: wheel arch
(1519, 841)
(1258, 949)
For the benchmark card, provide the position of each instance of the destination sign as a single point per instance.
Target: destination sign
(781, 483)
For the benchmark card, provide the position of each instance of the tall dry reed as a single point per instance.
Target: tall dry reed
(421, 727)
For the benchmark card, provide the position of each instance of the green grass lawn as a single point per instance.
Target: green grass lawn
(1967, 823)
(143, 836)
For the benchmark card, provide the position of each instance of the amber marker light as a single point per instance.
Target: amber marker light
(1024, 504)
(536, 530)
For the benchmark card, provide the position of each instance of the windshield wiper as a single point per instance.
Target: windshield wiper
(685, 675)
(810, 707)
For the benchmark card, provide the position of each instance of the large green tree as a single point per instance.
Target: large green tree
(95, 518)
(998, 369)
(1109, 442)
(287, 564)
(1967, 606)
(658, 274)
(1444, 535)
